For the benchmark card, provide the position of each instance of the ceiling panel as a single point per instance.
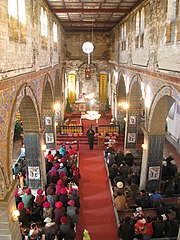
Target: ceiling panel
(79, 15)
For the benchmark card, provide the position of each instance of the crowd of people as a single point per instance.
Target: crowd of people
(52, 213)
(124, 174)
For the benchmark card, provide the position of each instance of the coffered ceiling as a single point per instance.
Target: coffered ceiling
(83, 15)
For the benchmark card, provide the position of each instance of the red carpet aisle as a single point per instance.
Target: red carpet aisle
(96, 211)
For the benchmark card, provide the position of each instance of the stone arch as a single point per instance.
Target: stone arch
(26, 103)
(4, 183)
(165, 96)
(135, 93)
(121, 88)
(58, 85)
(47, 94)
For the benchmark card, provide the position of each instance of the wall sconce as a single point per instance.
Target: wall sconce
(144, 146)
(15, 215)
(43, 147)
(124, 105)
(125, 119)
(56, 106)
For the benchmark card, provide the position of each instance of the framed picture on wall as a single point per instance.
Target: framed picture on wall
(49, 137)
(131, 138)
(154, 173)
(48, 121)
(132, 120)
(34, 173)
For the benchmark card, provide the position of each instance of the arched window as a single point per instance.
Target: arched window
(173, 21)
(123, 36)
(17, 19)
(44, 27)
(137, 30)
(55, 36)
(142, 24)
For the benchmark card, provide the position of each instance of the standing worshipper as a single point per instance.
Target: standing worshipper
(90, 135)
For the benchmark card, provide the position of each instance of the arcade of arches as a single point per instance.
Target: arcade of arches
(33, 78)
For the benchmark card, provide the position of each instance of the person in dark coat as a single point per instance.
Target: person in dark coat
(119, 158)
(142, 200)
(113, 170)
(171, 228)
(74, 196)
(159, 228)
(129, 158)
(59, 211)
(50, 229)
(18, 199)
(90, 135)
(63, 197)
(24, 217)
(65, 230)
(126, 229)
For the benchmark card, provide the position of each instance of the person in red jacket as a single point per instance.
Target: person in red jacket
(50, 157)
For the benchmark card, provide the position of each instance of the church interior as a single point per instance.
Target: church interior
(100, 80)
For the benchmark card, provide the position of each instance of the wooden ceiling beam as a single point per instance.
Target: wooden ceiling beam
(87, 10)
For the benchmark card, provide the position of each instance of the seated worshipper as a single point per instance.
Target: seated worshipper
(24, 217)
(171, 228)
(155, 199)
(47, 210)
(149, 228)
(124, 169)
(126, 229)
(113, 170)
(70, 151)
(63, 197)
(59, 211)
(59, 185)
(40, 197)
(118, 188)
(28, 199)
(120, 202)
(34, 232)
(66, 231)
(74, 196)
(49, 156)
(119, 157)
(110, 159)
(50, 229)
(142, 200)
(72, 213)
(140, 229)
(62, 150)
(129, 158)
(134, 190)
(159, 228)
(109, 149)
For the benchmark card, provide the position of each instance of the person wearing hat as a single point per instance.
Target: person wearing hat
(59, 211)
(63, 178)
(59, 185)
(74, 196)
(47, 210)
(63, 197)
(118, 188)
(50, 229)
(18, 199)
(62, 150)
(40, 198)
(65, 231)
(28, 199)
(24, 217)
(72, 213)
